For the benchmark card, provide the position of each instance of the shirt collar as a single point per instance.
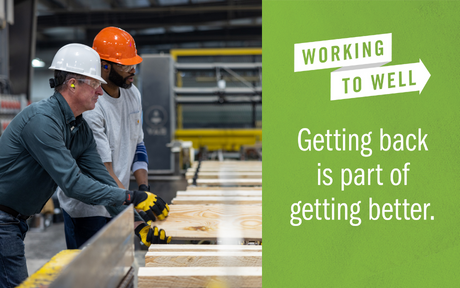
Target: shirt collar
(65, 108)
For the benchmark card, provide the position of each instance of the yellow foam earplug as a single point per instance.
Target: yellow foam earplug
(72, 85)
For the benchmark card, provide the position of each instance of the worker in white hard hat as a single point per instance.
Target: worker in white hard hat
(50, 144)
(117, 129)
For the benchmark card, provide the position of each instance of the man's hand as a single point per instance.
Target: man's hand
(145, 217)
(150, 203)
(144, 187)
(151, 235)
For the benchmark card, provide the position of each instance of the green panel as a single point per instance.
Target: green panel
(380, 253)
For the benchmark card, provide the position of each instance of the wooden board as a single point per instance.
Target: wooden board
(227, 169)
(219, 188)
(228, 182)
(167, 277)
(203, 259)
(227, 163)
(213, 200)
(202, 222)
(227, 166)
(225, 175)
(221, 193)
(203, 248)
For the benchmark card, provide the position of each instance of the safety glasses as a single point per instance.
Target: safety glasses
(125, 68)
(91, 82)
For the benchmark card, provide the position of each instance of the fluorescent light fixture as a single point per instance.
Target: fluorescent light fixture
(37, 62)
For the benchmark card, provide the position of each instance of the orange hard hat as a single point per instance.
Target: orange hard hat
(116, 45)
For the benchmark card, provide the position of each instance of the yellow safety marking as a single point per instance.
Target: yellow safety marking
(179, 116)
(209, 52)
(214, 139)
(48, 272)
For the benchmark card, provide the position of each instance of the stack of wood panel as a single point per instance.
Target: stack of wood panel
(226, 173)
(204, 213)
(229, 197)
(202, 266)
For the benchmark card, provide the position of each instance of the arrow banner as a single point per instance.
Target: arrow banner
(361, 58)
(355, 51)
(378, 81)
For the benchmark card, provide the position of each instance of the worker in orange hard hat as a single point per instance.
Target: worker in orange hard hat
(118, 51)
(117, 128)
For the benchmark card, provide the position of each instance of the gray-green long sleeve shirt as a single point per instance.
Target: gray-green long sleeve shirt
(45, 146)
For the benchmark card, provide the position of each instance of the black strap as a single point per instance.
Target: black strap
(13, 213)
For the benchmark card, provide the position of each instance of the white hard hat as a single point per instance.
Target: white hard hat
(78, 59)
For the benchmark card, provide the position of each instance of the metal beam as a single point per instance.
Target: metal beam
(237, 34)
(52, 4)
(246, 5)
(217, 100)
(128, 18)
(215, 91)
(154, 3)
(69, 5)
(140, 24)
(211, 66)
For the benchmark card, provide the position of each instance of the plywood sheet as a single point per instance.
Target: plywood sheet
(227, 182)
(227, 163)
(203, 248)
(202, 222)
(167, 277)
(225, 175)
(220, 188)
(203, 259)
(227, 169)
(221, 193)
(213, 200)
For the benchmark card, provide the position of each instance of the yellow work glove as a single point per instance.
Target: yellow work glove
(145, 217)
(150, 203)
(151, 235)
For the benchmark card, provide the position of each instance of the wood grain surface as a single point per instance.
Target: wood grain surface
(202, 222)
(227, 169)
(194, 188)
(167, 277)
(213, 200)
(203, 259)
(203, 248)
(225, 175)
(228, 182)
(229, 163)
(221, 193)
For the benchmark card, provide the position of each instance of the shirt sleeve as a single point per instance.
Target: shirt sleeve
(140, 139)
(91, 165)
(96, 122)
(45, 143)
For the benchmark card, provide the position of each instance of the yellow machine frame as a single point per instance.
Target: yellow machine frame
(215, 139)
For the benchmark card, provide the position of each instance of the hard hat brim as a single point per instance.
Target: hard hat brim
(92, 76)
(130, 61)
(98, 78)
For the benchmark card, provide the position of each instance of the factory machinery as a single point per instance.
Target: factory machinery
(191, 82)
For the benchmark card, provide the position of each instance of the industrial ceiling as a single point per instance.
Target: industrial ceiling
(156, 25)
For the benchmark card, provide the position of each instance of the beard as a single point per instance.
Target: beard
(118, 80)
